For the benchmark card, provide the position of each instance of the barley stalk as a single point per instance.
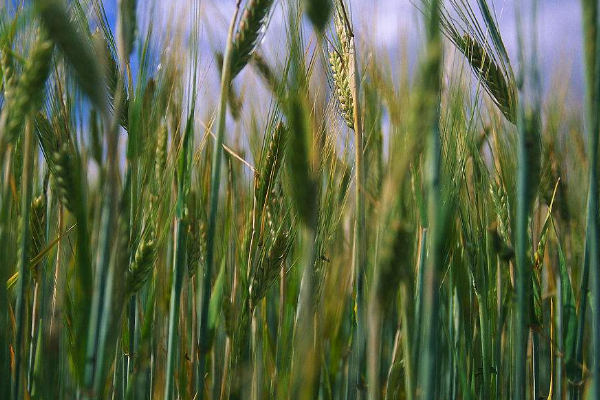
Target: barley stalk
(226, 77)
(592, 65)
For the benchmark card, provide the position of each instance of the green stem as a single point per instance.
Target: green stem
(27, 182)
(593, 228)
(174, 305)
(431, 91)
(523, 275)
(359, 227)
(215, 182)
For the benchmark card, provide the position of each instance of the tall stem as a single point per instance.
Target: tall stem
(431, 92)
(21, 319)
(593, 229)
(179, 267)
(359, 232)
(215, 182)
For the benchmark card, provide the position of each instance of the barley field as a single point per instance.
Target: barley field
(317, 221)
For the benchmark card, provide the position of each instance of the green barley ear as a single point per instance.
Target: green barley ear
(196, 247)
(76, 49)
(161, 153)
(27, 95)
(339, 61)
(127, 25)
(477, 36)
(143, 262)
(318, 12)
(196, 236)
(249, 30)
(37, 228)
(271, 165)
(112, 73)
(65, 177)
(495, 81)
(268, 270)
(7, 72)
(501, 209)
(265, 71)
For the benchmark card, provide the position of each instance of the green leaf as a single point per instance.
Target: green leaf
(214, 305)
(569, 317)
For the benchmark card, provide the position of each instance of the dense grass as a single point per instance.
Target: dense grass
(374, 234)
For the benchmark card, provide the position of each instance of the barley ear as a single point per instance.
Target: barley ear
(495, 81)
(143, 262)
(26, 96)
(268, 270)
(339, 61)
(271, 165)
(250, 27)
(318, 12)
(65, 178)
(37, 227)
(76, 49)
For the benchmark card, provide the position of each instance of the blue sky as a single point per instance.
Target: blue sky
(392, 23)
